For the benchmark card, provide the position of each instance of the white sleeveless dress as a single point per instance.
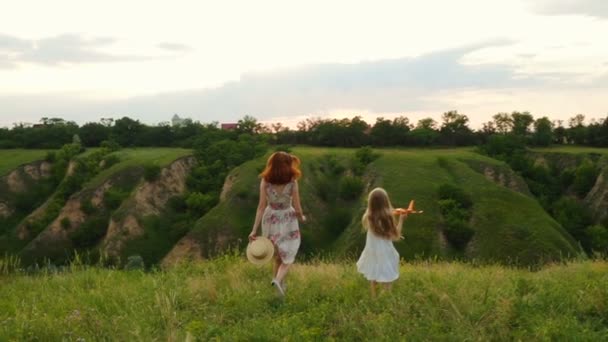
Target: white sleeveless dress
(280, 222)
(379, 260)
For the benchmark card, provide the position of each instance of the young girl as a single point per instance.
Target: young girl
(379, 261)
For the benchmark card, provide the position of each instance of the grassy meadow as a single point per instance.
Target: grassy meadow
(11, 159)
(228, 299)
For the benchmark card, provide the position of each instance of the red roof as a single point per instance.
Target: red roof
(229, 126)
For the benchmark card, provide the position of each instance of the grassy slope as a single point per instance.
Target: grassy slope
(136, 157)
(230, 300)
(11, 159)
(128, 170)
(231, 220)
(571, 149)
(510, 226)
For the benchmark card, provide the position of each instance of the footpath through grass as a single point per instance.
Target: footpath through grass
(11, 159)
(228, 299)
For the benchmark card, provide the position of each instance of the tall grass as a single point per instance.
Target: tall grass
(229, 299)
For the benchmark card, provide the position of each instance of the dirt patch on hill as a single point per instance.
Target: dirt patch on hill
(597, 198)
(186, 249)
(150, 198)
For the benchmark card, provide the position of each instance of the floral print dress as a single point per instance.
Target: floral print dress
(280, 222)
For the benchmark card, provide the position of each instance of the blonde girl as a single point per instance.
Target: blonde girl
(379, 261)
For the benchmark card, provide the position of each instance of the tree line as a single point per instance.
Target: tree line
(452, 130)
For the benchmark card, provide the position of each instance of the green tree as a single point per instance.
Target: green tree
(426, 123)
(93, 133)
(503, 122)
(455, 129)
(543, 132)
(521, 123)
(126, 130)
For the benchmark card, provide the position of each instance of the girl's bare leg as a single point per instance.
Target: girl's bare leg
(282, 272)
(388, 286)
(276, 265)
(373, 288)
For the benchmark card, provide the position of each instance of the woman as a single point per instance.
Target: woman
(278, 212)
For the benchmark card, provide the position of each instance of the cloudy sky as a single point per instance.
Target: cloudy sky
(286, 60)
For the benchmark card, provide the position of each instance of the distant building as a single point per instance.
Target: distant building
(230, 126)
(177, 121)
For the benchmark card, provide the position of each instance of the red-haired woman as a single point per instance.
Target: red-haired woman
(278, 211)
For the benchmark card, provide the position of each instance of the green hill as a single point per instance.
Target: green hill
(11, 159)
(230, 300)
(509, 224)
(76, 215)
(117, 209)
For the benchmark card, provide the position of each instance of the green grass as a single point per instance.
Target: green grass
(133, 157)
(511, 227)
(11, 159)
(230, 300)
(571, 149)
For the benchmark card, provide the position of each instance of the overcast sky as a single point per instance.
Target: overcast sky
(286, 60)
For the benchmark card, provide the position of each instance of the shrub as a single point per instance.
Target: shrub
(68, 151)
(110, 160)
(200, 203)
(455, 207)
(66, 223)
(501, 146)
(110, 145)
(584, 178)
(598, 238)
(357, 167)
(50, 156)
(449, 191)
(458, 232)
(331, 166)
(451, 209)
(89, 233)
(177, 203)
(151, 172)
(114, 197)
(134, 262)
(366, 155)
(566, 178)
(350, 187)
(573, 216)
(87, 207)
(337, 220)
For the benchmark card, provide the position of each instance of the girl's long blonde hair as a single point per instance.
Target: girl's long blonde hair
(379, 215)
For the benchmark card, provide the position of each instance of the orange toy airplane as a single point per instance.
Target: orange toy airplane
(410, 210)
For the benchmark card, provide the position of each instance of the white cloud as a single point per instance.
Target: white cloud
(592, 8)
(216, 60)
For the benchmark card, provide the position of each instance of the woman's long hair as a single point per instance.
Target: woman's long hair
(379, 215)
(281, 168)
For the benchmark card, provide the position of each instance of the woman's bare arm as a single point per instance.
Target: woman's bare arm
(260, 211)
(296, 201)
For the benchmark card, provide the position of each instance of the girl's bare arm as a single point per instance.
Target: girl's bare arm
(296, 201)
(400, 226)
(260, 211)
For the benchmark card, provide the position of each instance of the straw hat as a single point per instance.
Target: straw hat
(260, 250)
